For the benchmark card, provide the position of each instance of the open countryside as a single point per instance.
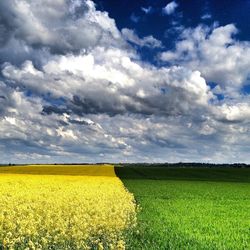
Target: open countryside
(124, 125)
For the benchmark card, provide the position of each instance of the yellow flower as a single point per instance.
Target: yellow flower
(66, 207)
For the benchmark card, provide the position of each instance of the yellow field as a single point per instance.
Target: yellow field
(89, 170)
(63, 207)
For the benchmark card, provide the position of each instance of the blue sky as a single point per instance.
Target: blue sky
(187, 13)
(124, 81)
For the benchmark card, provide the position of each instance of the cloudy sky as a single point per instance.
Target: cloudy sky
(120, 80)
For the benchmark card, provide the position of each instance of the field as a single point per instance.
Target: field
(63, 207)
(189, 208)
(88, 207)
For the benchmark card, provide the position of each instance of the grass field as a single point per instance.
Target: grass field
(189, 208)
(63, 207)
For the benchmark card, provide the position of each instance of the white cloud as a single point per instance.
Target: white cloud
(25, 133)
(121, 84)
(206, 16)
(73, 89)
(134, 18)
(147, 10)
(238, 112)
(62, 26)
(170, 8)
(147, 41)
(216, 54)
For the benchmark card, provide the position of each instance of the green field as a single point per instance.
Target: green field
(189, 208)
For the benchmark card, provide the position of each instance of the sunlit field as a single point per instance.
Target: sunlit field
(89, 207)
(64, 207)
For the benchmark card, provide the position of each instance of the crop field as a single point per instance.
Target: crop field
(106, 207)
(64, 207)
(189, 208)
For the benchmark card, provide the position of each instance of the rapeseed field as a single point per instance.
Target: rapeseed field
(41, 208)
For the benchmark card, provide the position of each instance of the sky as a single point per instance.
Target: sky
(124, 81)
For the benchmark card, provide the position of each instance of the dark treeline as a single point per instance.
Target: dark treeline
(146, 164)
(186, 165)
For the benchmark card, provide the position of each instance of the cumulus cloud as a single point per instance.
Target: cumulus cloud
(24, 131)
(170, 8)
(235, 113)
(122, 85)
(147, 10)
(206, 16)
(73, 88)
(148, 41)
(61, 26)
(215, 53)
(134, 18)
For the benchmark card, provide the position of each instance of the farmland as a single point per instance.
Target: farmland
(63, 207)
(189, 208)
(88, 207)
